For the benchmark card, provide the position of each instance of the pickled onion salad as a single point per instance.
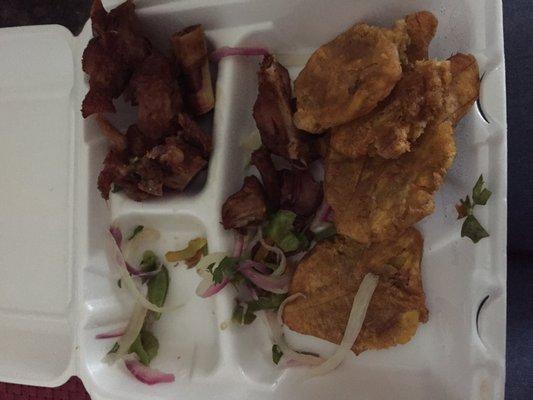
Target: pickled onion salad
(147, 282)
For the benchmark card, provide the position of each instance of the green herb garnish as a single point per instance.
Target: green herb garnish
(465, 209)
(145, 346)
(136, 231)
(158, 289)
(242, 317)
(281, 230)
(276, 354)
(271, 302)
(149, 262)
(226, 269)
(119, 283)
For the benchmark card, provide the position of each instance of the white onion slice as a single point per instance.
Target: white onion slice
(133, 328)
(353, 327)
(289, 299)
(206, 261)
(282, 260)
(116, 259)
(277, 337)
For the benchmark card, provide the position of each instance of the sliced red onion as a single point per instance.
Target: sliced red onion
(323, 214)
(270, 283)
(111, 334)
(226, 51)
(238, 245)
(260, 267)
(131, 332)
(207, 288)
(147, 375)
(117, 234)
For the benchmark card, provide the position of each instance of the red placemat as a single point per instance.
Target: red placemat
(72, 390)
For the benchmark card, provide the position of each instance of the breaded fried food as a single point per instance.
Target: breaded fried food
(375, 199)
(464, 89)
(417, 100)
(330, 275)
(346, 78)
(412, 36)
(421, 28)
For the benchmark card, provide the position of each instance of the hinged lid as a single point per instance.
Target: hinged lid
(36, 205)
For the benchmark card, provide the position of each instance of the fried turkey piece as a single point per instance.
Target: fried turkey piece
(375, 199)
(300, 193)
(416, 101)
(329, 276)
(195, 136)
(346, 78)
(155, 90)
(110, 57)
(262, 160)
(247, 207)
(179, 161)
(273, 113)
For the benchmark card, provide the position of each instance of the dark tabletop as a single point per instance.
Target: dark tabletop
(518, 27)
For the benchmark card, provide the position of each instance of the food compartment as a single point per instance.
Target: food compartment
(188, 334)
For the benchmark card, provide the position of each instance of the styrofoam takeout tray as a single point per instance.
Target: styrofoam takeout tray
(55, 290)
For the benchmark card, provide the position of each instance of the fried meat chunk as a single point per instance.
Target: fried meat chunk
(117, 48)
(247, 207)
(155, 90)
(329, 276)
(273, 113)
(262, 160)
(346, 78)
(417, 100)
(376, 199)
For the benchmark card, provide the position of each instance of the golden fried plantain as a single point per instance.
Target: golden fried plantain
(346, 78)
(330, 275)
(388, 131)
(464, 89)
(375, 199)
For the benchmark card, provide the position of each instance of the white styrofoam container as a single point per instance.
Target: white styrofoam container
(56, 292)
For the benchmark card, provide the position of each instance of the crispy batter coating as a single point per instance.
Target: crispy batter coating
(464, 89)
(416, 101)
(346, 78)
(421, 28)
(330, 275)
(375, 199)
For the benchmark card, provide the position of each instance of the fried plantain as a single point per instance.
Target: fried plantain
(375, 199)
(389, 131)
(330, 275)
(346, 78)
